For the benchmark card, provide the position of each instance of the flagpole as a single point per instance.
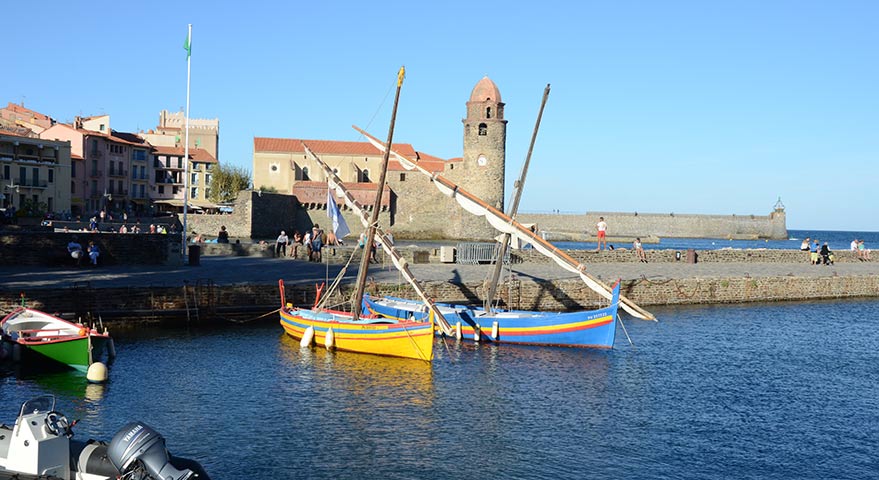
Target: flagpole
(186, 141)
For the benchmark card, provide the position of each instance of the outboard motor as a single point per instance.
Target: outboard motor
(136, 445)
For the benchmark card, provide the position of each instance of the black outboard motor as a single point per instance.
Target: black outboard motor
(137, 445)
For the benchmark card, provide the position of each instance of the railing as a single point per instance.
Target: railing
(118, 173)
(476, 253)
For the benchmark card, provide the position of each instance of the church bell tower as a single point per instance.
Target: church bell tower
(485, 140)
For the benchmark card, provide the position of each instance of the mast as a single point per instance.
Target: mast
(504, 224)
(402, 265)
(513, 209)
(370, 232)
(188, 47)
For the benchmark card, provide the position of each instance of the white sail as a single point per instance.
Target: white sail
(398, 261)
(505, 224)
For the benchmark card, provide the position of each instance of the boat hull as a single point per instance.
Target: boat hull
(53, 338)
(404, 339)
(593, 329)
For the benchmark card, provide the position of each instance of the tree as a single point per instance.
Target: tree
(227, 181)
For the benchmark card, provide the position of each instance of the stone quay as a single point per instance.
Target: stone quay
(240, 282)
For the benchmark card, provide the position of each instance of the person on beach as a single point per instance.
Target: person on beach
(813, 256)
(281, 244)
(306, 239)
(639, 249)
(853, 247)
(602, 233)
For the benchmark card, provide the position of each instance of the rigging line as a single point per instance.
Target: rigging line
(626, 332)
(336, 281)
(382, 104)
(420, 352)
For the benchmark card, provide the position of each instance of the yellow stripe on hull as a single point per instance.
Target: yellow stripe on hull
(377, 339)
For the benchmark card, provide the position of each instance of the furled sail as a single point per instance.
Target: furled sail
(503, 223)
(398, 261)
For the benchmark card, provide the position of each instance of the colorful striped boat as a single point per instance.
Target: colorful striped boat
(75, 345)
(593, 328)
(369, 334)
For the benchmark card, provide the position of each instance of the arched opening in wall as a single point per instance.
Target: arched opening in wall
(488, 112)
(305, 176)
(364, 175)
(483, 129)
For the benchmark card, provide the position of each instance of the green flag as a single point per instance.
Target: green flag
(187, 46)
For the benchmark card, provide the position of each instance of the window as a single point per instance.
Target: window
(139, 155)
(483, 129)
(207, 180)
(143, 174)
(161, 189)
(94, 187)
(73, 169)
(207, 192)
(6, 174)
(51, 176)
(102, 127)
(120, 190)
(305, 174)
(49, 205)
(142, 189)
(193, 179)
(488, 112)
(36, 177)
(72, 187)
(94, 146)
(364, 175)
(402, 177)
(22, 174)
(193, 192)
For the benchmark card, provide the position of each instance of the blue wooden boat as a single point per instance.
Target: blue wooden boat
(592, 328)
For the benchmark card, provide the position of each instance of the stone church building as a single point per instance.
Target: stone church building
(411, 206)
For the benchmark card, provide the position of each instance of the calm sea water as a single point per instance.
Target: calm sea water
(768, 391)
(836, 240)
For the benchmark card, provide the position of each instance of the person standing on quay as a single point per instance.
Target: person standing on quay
(602, 233)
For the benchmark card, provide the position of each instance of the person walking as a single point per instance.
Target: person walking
(281, 244)
(602, 233)
(94, 253)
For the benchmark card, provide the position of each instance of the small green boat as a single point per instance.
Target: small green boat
(72, 344)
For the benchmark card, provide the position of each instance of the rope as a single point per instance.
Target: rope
(409, 335)
(252, 319)
(625, 331)
(336, 282)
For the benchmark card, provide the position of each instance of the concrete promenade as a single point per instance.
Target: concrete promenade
(223, 270)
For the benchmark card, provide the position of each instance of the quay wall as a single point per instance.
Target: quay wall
(203, 302)
(580, 227)
(46, 248)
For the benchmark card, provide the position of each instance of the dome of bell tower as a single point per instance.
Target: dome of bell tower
(485, 91)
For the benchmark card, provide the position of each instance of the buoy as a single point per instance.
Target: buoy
(330, 338)
(494, 330)
(458, 334)
(97, 373)
(307, 337)
(111, 349)
(476, 333)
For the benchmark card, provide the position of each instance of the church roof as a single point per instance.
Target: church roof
(334, 147)
(485, 90)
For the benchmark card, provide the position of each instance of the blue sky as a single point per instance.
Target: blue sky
(671, 106)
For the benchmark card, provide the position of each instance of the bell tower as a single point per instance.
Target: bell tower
(485, 140)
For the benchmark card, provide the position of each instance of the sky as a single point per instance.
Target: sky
(710, 107)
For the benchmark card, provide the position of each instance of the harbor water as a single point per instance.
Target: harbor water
(768, 391)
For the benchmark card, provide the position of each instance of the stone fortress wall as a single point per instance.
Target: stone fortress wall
(583, 226)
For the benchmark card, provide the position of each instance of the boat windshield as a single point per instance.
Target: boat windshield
(43, 404)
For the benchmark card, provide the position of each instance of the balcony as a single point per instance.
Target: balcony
(118, 173)
(96, 173)
(25, 183)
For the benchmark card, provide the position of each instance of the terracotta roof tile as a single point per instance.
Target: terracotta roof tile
(334, 147)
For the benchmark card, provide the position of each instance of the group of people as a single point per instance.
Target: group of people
(860, 251)
(74, 249)
(819, 254)
(313, 241)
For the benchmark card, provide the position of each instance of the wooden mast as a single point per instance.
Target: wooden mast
(513, 209)
(370, 232)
